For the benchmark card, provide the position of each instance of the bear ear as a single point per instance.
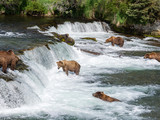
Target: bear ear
(61, 62)
(153, 53)
(102, 92)
(146, 55)
(10, 52)
(112, 37)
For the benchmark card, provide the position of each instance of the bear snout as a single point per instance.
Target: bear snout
(94, 94)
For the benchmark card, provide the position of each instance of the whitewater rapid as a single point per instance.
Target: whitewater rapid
(44, 92)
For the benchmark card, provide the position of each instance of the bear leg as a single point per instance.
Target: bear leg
(63, 69)
(77, 72)
(13, 64)
(4, 67)
(66, 70)
(112, 43)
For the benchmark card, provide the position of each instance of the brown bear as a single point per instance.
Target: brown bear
(72, 66)
(153, 55)
(8, 58)
(104, 97)
(115, 40)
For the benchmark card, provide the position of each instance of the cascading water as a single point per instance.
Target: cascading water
(44, 92)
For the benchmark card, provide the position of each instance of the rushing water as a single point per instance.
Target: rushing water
(44, 92)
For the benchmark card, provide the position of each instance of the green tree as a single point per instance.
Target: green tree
(34, 7)
(13, 6)
(143, 11)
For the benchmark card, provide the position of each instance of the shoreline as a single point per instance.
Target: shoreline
(149, 30)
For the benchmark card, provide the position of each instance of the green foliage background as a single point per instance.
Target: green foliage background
(120, 12)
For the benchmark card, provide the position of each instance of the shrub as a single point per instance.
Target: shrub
(143, 12)
(13, 6)
(35, 8)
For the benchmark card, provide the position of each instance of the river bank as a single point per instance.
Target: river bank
(149, 30)
(132, 17)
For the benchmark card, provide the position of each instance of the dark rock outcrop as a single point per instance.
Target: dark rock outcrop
(150, 30)
(64, 38)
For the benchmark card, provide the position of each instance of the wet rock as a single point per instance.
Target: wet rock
(150, 30)
(21, 66)
(91, 52)
(7, 77)
(47, 46)
(64, 38)
(89, 38)
(44, 26)
(22, 51)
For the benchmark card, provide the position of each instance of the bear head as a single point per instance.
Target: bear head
(99, 94)
(60, 64)
(110, 39)
(152, 55)
(10, 52)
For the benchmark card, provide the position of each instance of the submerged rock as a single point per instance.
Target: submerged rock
(44, 27)
(64, 38)
(91, 52)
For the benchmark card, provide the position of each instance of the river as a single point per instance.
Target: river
(46, 93)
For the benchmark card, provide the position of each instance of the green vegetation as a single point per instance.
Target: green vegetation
(143, 11)
(35, 8)
(12, 6)
(118, 12)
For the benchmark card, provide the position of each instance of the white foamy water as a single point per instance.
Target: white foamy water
(11, 34)
(44, 92)
(34, 27)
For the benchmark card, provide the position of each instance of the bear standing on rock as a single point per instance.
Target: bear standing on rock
(153, 55)
(115, 40)
(72, 66)
(104, 97)
(8, 58)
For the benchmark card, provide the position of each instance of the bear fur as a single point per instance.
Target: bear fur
(115, 40)
(104, 97)
(153, 55)
(72, 66)
(8, 58)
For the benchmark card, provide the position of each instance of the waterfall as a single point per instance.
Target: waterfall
(45, 92)
(30, 84)
(76, 28)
